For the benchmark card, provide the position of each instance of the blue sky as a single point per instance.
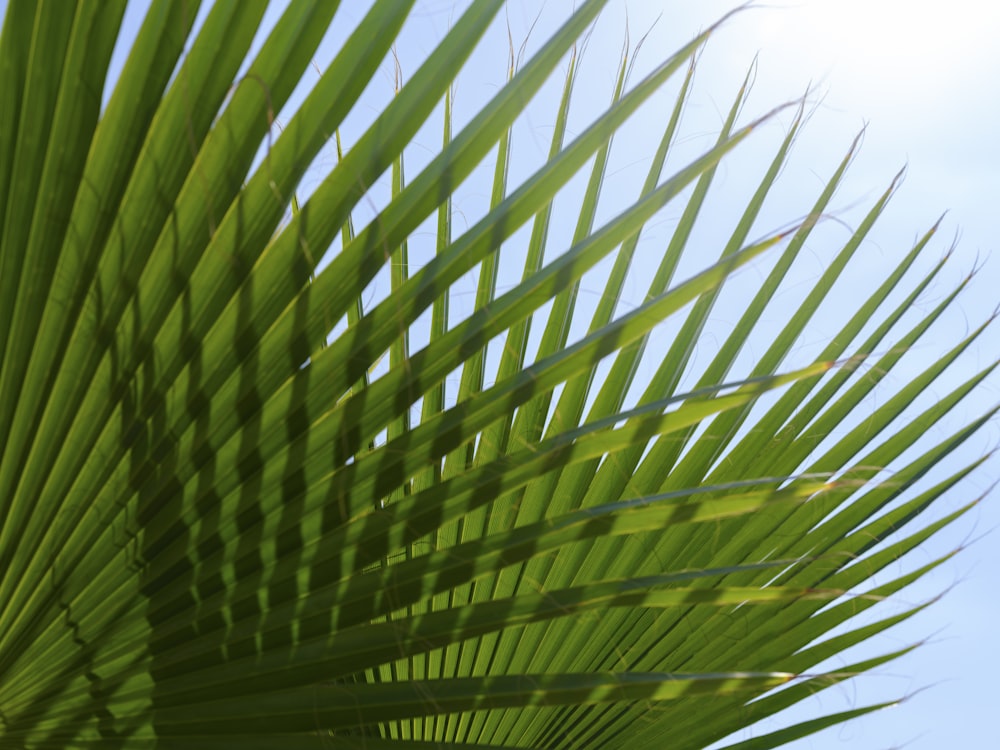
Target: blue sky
(921, 80)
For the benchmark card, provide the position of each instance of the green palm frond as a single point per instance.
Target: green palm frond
(262, 485)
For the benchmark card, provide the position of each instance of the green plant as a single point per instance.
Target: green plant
(222, 526)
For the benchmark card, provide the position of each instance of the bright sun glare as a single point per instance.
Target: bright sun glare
(897, 46)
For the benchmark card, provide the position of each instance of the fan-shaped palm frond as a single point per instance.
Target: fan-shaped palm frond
(261, 487)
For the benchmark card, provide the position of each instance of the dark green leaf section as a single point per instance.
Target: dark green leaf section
(263, 485)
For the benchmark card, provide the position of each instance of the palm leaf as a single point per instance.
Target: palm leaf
(246, 500)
